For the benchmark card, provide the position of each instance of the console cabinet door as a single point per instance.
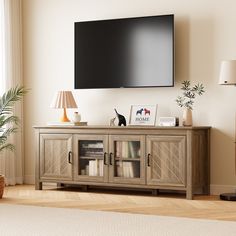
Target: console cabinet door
(56, 156)
(127, 159)
(166, 160)
(91, 158)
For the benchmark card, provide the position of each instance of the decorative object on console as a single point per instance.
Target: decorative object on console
(228, 77)
(121, 119)
(81, 123)
(63, 99)
(112, 121)
(187, 117)
(76, 117)
(187, 100)
(168, 121)
(143, 115)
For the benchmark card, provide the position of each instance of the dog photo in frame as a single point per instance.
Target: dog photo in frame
(143, 115)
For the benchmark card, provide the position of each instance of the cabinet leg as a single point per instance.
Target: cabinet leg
(38, 186)
(189, 195)
(206, 190)
(155, 192)
(59, 185)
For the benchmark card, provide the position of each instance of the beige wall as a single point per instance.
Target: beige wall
(205, 34)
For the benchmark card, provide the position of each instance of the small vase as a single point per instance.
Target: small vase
(187, 117)
(76, 117)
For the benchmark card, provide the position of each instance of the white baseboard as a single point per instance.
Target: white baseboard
(218, 189)
(29, 179)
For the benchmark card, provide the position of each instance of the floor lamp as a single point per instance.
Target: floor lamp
(228, 77)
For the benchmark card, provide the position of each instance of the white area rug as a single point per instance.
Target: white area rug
(36, 221)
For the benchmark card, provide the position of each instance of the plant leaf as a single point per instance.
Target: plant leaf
(7, 146)
(8, 121)
(189, 94)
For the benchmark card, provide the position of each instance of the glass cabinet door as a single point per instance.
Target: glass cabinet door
(126, 159)
(91, 157)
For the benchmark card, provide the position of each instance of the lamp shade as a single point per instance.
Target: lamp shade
(63, 99)
(228, 72)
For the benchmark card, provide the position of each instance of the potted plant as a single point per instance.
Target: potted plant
(187, 100)
(8, 121)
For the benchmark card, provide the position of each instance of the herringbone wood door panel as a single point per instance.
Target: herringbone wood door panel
(167, 162)
(54, 156)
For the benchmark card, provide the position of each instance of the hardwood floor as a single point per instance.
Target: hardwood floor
(206, 207)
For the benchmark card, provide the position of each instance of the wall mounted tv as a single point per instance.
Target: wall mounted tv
(130, 52)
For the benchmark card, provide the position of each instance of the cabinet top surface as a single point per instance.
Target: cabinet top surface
(105, 127)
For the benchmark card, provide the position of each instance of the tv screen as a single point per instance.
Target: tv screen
(131, 52)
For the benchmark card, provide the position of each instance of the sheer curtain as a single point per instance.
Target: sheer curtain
(11, 163)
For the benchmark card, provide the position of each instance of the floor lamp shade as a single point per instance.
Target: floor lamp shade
(63, 99)
(228, 72)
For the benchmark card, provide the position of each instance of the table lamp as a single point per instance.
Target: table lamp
(228, 77)
(63, 99)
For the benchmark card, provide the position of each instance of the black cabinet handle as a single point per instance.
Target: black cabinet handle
(70, 157)
(104, 158)
(110, 158)
(148, 159)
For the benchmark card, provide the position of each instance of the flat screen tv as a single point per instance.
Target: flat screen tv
(130, 52)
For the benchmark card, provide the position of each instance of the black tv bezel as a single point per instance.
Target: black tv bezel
(137, 17)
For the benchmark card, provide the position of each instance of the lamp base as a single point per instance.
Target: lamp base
(228, 196)
(64, 117)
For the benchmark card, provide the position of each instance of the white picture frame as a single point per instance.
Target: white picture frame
(143, 115)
